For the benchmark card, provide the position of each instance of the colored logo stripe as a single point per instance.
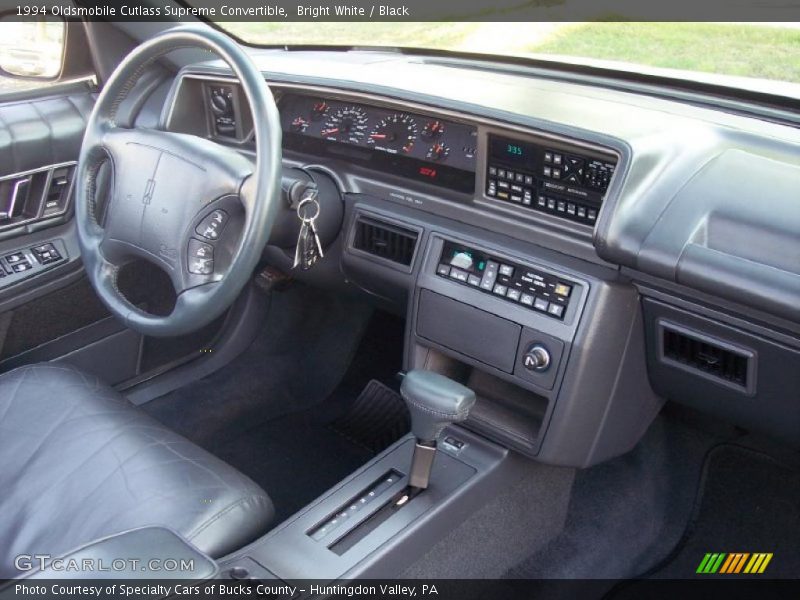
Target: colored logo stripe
(710, 563)
(734, 563)
(758, 563)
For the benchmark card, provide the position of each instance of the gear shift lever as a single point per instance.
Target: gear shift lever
(434, 402)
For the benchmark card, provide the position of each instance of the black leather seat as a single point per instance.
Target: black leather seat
(79, 462)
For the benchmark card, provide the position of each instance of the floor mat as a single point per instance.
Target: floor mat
(627, 514)
(376, 419)
(298, 411)
(298, 456)
(750, 503)
(295, 458)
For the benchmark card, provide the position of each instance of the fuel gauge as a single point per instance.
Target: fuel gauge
(437, 152)
(432, 130)
(300, 124)
(319, 110)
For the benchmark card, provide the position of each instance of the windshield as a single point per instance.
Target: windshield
(765, 51)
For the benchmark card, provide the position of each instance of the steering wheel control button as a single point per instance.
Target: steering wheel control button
(211, 227)
(201, 266)
(198, 249)
(537, 358)
(201, 257)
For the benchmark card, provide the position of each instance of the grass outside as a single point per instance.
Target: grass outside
(747, 50)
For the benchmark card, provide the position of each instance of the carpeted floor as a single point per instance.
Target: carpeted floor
(299, 410)
(750, 502)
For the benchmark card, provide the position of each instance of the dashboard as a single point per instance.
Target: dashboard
(574, 255)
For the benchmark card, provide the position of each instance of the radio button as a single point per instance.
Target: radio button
(500, 289)
(526, 299)
(513, 294)
(528, 180)
(557, 310)
(507, 270)
(541, 304)
(489, 276)
(443, 270)
(458, 274)
(562, 289)
(474, 280)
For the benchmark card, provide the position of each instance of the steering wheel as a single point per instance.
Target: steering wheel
(200, 211)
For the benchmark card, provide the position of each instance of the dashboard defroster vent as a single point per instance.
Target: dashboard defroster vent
(385, 240)
(707, 356)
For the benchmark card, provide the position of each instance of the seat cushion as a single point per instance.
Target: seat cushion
(79, 462)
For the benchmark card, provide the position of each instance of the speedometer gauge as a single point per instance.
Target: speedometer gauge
(395, 133)
(348, 124)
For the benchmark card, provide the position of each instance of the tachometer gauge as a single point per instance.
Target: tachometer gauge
(394, 134)
(437, 152)
(432, 130)
(348, 124)
(299, 124)
(319, 110)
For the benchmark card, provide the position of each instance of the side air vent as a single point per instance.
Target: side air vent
(385, 240)
(707, 356)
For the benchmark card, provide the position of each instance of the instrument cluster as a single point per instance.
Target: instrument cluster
(436, 150)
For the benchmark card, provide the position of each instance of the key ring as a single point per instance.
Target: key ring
(303, 202)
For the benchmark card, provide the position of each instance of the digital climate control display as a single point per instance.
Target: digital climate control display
(528, 287)
(566, 183)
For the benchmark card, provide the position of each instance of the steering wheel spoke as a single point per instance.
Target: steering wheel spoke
(200, 210)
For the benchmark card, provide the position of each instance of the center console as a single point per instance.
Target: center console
(381, 519)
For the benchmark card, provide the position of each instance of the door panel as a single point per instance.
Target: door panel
(42, 132)
(49, 312)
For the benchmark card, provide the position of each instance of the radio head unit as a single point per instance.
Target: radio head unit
(556, 178)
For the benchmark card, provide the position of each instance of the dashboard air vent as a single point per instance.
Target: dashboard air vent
(706, 356)
(385, 240)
